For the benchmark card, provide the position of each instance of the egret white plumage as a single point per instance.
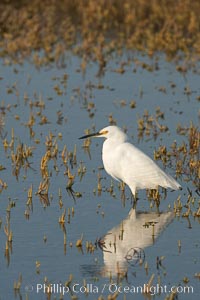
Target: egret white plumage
(123, 161)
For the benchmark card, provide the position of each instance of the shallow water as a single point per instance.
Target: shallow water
(95, 216)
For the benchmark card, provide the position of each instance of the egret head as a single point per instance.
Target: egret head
(109, 132)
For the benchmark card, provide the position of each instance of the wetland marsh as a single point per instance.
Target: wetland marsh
(67, 230)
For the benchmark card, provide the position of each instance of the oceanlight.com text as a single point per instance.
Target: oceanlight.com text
(90, 288)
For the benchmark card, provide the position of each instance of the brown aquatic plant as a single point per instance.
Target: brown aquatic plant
(111, 26)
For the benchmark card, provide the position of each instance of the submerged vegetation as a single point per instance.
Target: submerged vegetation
(44, 30)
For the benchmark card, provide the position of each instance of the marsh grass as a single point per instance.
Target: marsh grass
(44, 30)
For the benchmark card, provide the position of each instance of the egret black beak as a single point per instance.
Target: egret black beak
(90, 135)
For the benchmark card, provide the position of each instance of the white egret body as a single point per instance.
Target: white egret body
(123, 161)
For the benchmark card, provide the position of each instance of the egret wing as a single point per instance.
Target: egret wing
(135, 168)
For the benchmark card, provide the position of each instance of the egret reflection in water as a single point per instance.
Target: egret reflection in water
(124, 244)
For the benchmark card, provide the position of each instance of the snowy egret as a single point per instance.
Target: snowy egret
(124, 162)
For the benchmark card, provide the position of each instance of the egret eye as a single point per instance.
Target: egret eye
(103, 132)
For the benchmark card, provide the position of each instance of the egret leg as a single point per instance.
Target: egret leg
(134, 199)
